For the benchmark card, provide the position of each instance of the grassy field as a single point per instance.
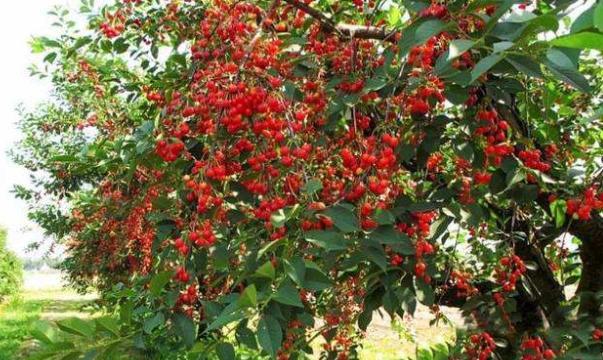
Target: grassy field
(44, 298)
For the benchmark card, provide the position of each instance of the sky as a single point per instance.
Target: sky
(19, 21)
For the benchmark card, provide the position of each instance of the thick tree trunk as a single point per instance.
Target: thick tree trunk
(591, 253)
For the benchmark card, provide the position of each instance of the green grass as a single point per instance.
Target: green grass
(16, 319)
(18, 316)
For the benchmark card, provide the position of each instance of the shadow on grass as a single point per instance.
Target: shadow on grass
(17, 319)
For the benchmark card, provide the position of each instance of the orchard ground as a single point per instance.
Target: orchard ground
(45, 297)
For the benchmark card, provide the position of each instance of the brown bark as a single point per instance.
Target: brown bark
(345, 30)
(590, 233)
(591, 253)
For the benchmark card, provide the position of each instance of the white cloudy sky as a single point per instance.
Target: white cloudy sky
(19, 20)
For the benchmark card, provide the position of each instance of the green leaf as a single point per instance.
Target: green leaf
(296, 269)
(502, 46)
(387, 235)
(394, 16)
(344, 219)
(120, 46)
(270, 334)
(225, 318)
(456, 94)
(287, 294)
(292, 92)
(225, 351)
(109, 324)
(77, 327)
(159, 281)
(312, 186)
(43, 332)
(568, 75)
(374, 84)
(501, 9)
(513, 171)
(484, 65)
(581, 40)
(419, 32)
(365, 318)
(81, 42)
(423, 353)
(598, 16)
(562, 58)
(584, 21)
(327, 239)
(440, 351)
(424, 292)
(558, 211)
(279, 218)
(151, 324)
(185, 328)
(245, 336)
(525, 65)
(458, 47)
(50, 58)
(266, 270)
(270, 246)
(384, 217)
(428, 29)
(439, 227)
(376, 255)
(315, 278)
(249, 297)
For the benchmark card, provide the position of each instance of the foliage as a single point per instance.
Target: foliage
(19, 316)
(36, 264)
(267, 173)
(16, 319)
(11, 272)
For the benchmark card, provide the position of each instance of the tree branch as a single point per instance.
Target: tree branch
(345, 30)
(590, 233)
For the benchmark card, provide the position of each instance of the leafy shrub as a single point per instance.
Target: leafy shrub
(11, 271)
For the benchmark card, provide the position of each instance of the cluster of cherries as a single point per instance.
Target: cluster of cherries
(114, 24)
(480, 346)
(182, 276)
(532, 159)
(169, 151)
(462, 284)
(295, 330)
(482, 178)
(189, 296)
(181, 246)
(511, 269)
(420, 229)
(435, 10)
(582, 208)
(494, 129)
(204, 195)
(534, 348)
(204, 236)
(341, 314)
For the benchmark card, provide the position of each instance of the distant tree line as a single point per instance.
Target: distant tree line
(11, 269)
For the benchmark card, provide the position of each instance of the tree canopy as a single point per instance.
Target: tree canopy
(238, 175)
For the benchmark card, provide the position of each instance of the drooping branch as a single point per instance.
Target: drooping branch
(345, 30)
